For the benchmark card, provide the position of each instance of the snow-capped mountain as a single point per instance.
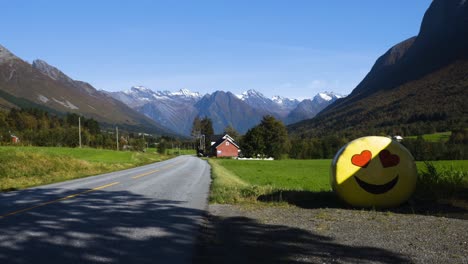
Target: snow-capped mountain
(277, 106)
(309, 108)
(327, 97)
(286, 103)
(138, 96)
(176, 110)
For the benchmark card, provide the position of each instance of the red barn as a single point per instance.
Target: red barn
(14, 139)
(225, 147)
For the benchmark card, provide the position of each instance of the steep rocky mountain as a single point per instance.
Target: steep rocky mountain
(173, 110)
(44, 86)
(225, 108)
(286, 103)
(419, 84)
(309, 108)
(59, 76)
(140, 95)
(278, 106)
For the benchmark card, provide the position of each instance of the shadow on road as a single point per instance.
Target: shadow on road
(96, 227)
(312, 200)
(244, 240)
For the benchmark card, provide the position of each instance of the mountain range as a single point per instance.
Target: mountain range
(417, 86)
(41, 85)
(176, 110)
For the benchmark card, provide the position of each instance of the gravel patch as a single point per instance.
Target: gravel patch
(289, 234)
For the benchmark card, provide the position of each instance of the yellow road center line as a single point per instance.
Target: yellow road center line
(172, 165)
(144, 174)
(58, 200)
(153, 171)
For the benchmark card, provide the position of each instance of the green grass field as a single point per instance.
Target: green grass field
(89, 154)
(436, 137)
(310, 175)
(181, 151)
(237, 181)
(175, 151)
(22, 167)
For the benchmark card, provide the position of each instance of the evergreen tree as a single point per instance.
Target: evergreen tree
(269, 138)
(196, 127)
(207, 131)
(252, 144)
(275, 137)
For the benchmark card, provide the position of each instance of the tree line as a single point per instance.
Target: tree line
(37, 127)
(270, 139)
(455, 148)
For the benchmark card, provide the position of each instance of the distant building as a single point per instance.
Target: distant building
(14, 139)
(397, 138)
(225, 147)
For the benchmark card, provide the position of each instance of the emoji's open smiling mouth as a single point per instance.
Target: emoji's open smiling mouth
(377, 189)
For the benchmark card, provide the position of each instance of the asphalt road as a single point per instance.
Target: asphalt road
(149, 214)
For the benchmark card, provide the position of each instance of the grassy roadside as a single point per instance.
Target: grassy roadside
(244, 181)
(237, 181)
(23, 167)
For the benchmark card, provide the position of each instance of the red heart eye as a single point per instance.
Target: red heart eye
(363, 159)
(388, 159)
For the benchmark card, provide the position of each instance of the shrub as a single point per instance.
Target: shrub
(442, 183)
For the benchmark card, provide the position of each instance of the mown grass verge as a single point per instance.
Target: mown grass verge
(23, 167)
(307, 181)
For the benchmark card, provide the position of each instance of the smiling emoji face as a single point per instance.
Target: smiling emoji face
(373, 172)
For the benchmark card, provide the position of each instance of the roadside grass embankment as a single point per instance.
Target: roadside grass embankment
(23, 167)
(236, 181)
(307, 181)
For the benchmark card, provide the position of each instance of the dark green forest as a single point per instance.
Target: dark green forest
(36, 127)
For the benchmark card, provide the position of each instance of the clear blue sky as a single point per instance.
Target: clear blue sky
(291, 48)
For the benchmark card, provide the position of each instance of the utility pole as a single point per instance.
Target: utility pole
(79, 129)
(117, 137)
(203, 146)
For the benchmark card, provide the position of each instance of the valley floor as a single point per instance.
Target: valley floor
(289, 234)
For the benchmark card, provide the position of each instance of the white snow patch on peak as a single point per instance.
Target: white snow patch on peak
(141, 89)
(252, 94)
(325, 96)
(278, 99)
(137, 89)
(186, 93)
(328, 96)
